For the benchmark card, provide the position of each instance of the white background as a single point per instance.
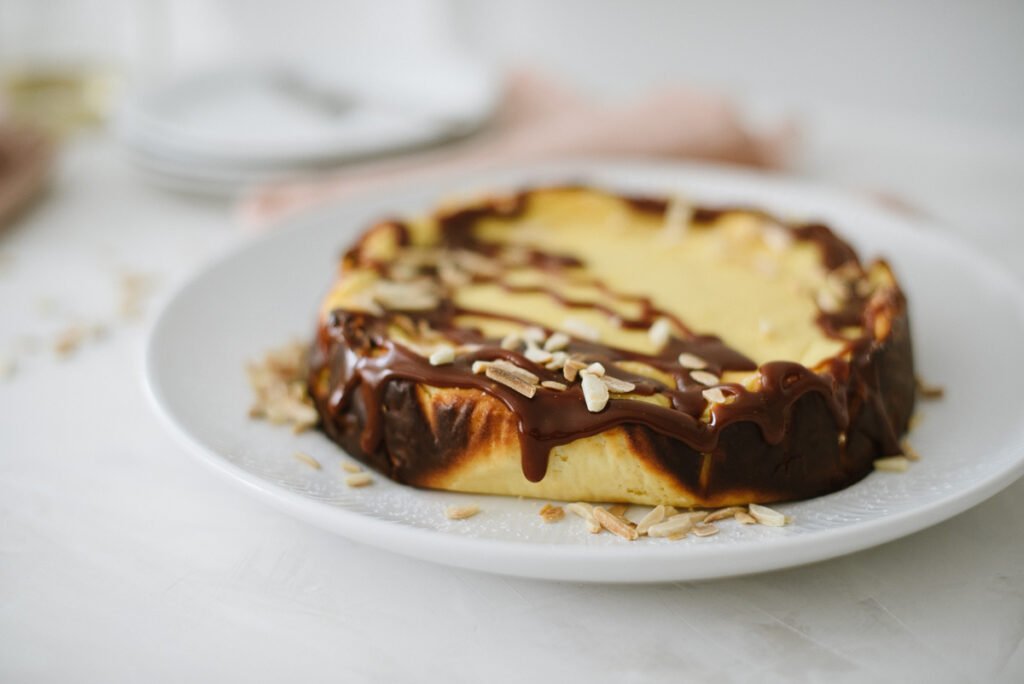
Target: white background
(121, 559)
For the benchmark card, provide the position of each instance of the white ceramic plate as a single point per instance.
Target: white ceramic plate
(968, 323)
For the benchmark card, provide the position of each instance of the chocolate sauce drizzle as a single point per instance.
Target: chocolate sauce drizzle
(371, 358)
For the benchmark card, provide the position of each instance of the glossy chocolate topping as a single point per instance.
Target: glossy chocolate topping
(372, 358)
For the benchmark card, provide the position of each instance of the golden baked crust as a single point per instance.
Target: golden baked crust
(747, 359)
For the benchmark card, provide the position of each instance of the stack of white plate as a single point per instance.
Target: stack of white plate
(223, 131)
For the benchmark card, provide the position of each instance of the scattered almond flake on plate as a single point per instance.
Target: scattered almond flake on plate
(585, 511)
(442, 356)
(929, 391)
(551, 514)
(653, 517)
(692, 361)
(892, 464)
(351, 467)
(767, 516)
(461, 512)
(723, 513)
(618, 510)
(615, 524)
(7, 367)
(595, 393)
(705, 529)
(307, 459)
(358, 480)
(910, 452)
(704, 377)
(676, 526)
(278, 382)
(744, 518)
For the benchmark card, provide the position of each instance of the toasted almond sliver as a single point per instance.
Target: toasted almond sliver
(510, 380)
(594, 369)
(578, 328)
(595, 393)
(557, 361)
(618, 510)
(307, 459)
(909, 451)
(715, 395)
(744, 518)
(537, 355)
(653, 517)
(660, 332)
(442, 356)
(615, 524)
(723, 513)
(704, 378)
(552, 385)
(617, 385)
(350, 467)
(892, 464)
(358, 480)
(557, 342)
(705, 529)
(585, 511)
(551, 513)
(511, 341)
(461, 512)
(534, 334)
(929, 391)
(692, 361)
(481, 366)
(676, 525)
(515, 370)
(571, 368)
(767, 516)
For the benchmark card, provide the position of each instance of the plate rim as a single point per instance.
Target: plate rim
(552, 561)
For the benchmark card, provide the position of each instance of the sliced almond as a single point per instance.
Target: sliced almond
(744, 518)
(535, 335)
(480, 367)
(551, 514)
(515, 370)
(553, 385)
(704, 377)
(715, 395)
(557, 342)
(892, 464)
(909, 451)
(618, 510)
(511, 342)
(617, 385)
(585, 511)
(461, 512)
(358, 480)
(723, 513)
(442, 356)
(929, 391)
(511, 380)
(692, 361)
(676, 525)
(537, 355)
(653, 517)
(571, 368)
(350, 467)
(615, 524)
(705, 529)
(578, 328)
(594, 369)
(307, 459)
(557, 361)
(767, 516)
(595, 393)
(660, 333)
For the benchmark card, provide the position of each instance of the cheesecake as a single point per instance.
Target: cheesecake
(578, 344)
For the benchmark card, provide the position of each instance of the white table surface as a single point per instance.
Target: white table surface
(123, 559)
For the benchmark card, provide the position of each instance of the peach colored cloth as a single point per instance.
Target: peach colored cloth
(539, 120)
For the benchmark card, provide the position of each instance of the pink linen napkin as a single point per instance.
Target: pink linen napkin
(538, 120)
